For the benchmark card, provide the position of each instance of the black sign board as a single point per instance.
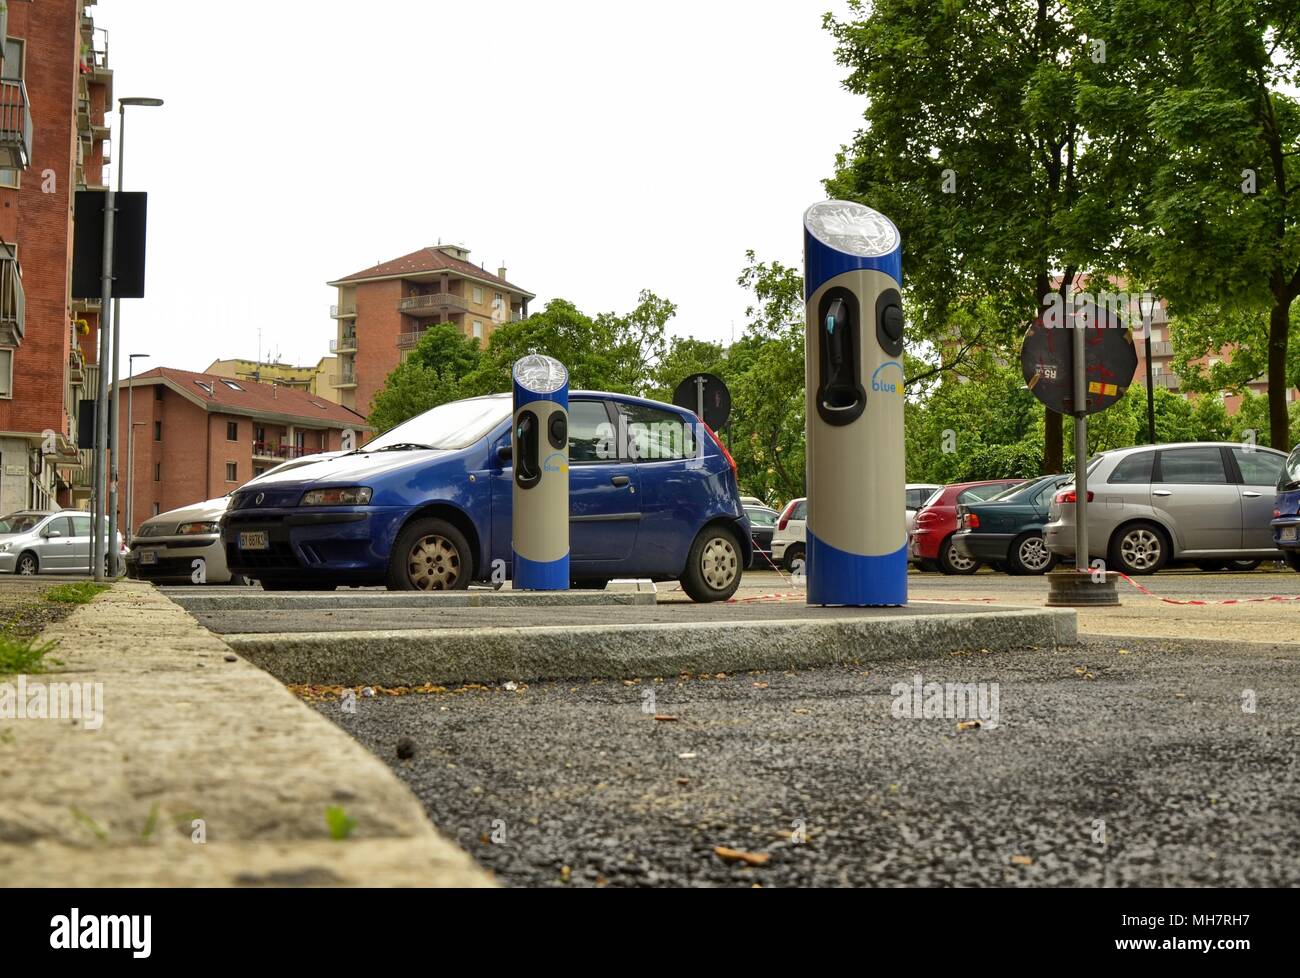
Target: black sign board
(128, 244)
(1047, 358)
(86, 425)
(707, 396)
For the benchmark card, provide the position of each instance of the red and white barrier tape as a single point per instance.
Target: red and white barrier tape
(1196, 601)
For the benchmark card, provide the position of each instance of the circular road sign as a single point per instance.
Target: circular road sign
(1047, 358)
(707, 396)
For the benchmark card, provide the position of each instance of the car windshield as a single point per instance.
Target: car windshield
(457, 424)
(932, 497)
(19, 522)
(1291, 471)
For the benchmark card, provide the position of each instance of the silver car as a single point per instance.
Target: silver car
(1209, 503)
(47, 542)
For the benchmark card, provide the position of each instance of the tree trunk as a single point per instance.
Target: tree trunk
(1279, 329)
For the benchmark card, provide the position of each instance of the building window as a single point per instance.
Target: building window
(157, 471)
(6, 373)
(478, 330)
(158, 393)
(232, 431)
(157, 431)
(8, 177)
(232, 472)
(478, 295)
(156, 509)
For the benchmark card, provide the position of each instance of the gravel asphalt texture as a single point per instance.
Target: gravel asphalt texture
(574, 783)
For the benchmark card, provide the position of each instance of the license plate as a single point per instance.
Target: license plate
(1288, 533)
(254, 540)
(148, 556)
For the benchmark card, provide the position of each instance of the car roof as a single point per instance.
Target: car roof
(1116, 452)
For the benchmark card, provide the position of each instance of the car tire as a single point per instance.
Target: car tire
(1210, 565)
(430, 555)
(792, 553)
(953, 562)
(27, 565)
(713, 566)
(1028, 555)
(1243, 565)
(1139, 548)
(1292, 558)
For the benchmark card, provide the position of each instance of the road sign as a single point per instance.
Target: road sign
(1110, 361)
(129, 222)
(707, 396)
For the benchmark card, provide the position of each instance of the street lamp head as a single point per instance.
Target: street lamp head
(138, 356)
(140, 101)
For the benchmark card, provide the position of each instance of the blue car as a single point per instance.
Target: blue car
(427, 505)
(1286, 510)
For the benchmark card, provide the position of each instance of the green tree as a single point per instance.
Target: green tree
(979, 144)
(432, 374)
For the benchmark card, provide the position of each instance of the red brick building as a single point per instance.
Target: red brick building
(55, 91)
(384, 310)
(198, 436)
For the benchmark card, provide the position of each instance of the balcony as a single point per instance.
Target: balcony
(12, 302)
(15, 125)
(76, 366)
(348, 344)
(280, 452)
(432, 305)
(346, 311)
(1168, 381)
(346, 379)
(407, 341)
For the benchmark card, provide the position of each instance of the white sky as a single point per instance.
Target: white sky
(598, 148)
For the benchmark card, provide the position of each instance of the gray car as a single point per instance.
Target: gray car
(47, 542)
(1209, 503)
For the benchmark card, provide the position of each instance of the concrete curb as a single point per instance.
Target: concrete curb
(413, 656)
(194, 739)
(261, 601)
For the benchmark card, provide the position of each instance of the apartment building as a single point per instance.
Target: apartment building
(383, 311)
(198, 436)
(308, 378)
(56, 90)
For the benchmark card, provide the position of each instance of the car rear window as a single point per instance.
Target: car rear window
(800, 511)
(654, 434)
(1258, 468)
(1134, 470)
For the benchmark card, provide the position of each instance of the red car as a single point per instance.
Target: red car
(931, 547)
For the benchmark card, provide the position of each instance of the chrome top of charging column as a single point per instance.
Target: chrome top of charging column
(540, 374)
(841, 236)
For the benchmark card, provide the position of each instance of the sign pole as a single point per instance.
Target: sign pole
(1080, 447)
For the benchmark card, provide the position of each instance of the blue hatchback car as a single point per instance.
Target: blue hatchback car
(1286, 510)
(427, 505)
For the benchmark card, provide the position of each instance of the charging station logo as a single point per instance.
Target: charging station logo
(884, 383)
(555, 462)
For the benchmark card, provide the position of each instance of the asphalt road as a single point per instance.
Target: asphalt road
(575, 784)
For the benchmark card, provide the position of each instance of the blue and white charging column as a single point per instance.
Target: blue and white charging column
(540, 520)
(857, 535)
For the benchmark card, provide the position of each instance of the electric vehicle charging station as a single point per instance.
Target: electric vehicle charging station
(853, 382)
(540, 518)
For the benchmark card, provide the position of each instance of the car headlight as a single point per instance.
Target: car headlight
(186, 529)
(348, 496)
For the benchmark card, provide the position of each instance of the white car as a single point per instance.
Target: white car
(789, 542)
(183, 546)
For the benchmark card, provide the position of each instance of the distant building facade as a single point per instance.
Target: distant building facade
(383, 311)
(308, 379)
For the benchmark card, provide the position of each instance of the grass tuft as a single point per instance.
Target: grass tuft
(23, 655)
(78, 592)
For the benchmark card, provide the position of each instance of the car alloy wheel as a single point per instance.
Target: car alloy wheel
(1141, 549)
(958, 561)
(27, 565)
(1034, 555)
(719, 563)
(433, 564)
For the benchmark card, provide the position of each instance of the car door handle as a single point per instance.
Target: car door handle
(1250, 495)
(1161, 492)
(619, 480)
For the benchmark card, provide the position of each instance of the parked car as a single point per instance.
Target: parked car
(1006, 530)
(167, 545)
(1286, 511)
(1210, 503)
(789, 540)
(762, 524)
(48, 542)
(931, 547)
(918, 494)
(427, 505)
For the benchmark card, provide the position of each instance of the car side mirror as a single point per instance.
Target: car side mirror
(50, 534)
(505, 454)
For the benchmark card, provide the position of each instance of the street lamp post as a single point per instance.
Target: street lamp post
(130, 445)
(115, 557)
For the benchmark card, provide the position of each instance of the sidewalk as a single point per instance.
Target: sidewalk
(192, 742)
